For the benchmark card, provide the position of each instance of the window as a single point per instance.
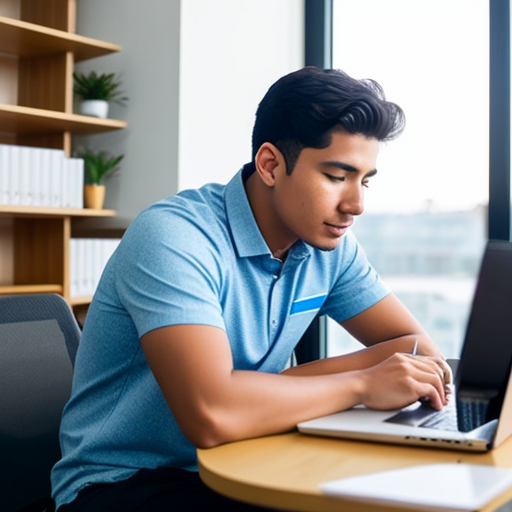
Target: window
(424, 225)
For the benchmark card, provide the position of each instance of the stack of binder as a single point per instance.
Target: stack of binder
(44, 177)
(88, 257)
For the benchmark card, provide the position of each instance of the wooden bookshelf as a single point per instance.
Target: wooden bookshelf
(38, 51)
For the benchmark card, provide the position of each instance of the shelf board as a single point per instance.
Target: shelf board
(43, 211)
(80, 301)
(30, 288)
(28, 120)
(23, 39)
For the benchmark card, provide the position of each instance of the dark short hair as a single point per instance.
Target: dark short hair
(303, 108)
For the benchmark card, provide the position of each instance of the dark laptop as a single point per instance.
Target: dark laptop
(479, 416)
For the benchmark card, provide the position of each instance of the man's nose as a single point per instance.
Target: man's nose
(352, 201)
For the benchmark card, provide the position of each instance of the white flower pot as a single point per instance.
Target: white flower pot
(96, 108)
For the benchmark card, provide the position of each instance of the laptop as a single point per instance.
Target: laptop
(479, 412)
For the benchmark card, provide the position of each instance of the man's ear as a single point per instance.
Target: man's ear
(267, 161)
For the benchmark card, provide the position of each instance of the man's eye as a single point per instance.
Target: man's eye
(336, 179)
(366, 183)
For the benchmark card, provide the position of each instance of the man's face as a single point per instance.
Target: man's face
(317, 202)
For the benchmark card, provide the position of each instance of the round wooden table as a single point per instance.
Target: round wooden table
(284, 471)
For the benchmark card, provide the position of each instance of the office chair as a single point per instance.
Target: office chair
(39, 337)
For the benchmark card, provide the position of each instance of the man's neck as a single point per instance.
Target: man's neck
(259, 197)
(280, 254)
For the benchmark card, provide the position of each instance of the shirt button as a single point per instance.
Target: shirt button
(275, 276)
(274, 321)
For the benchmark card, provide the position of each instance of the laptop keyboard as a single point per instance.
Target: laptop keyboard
(446, 419)
(472, 413)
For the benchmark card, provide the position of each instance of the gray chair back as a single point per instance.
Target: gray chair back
(39, 337)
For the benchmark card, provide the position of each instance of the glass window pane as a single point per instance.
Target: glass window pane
(424, 225)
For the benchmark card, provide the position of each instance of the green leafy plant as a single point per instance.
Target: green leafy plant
(98, 87)
(98, 165)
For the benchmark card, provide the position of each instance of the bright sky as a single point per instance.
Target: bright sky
(432, 59)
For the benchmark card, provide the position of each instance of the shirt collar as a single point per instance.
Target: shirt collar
(247, 237)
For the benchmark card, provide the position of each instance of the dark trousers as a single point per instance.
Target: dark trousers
(161, 489)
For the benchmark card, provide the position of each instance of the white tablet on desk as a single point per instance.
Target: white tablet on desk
(429, 487)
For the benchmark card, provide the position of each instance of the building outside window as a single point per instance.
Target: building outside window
(424, 226)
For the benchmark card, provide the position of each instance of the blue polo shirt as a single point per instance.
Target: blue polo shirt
(197, 257)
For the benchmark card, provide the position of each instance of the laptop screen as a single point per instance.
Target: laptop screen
(487, 353)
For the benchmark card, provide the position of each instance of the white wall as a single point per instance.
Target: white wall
(231, 53)
(194, 72)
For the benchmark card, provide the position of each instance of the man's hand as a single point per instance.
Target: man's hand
(403, 378)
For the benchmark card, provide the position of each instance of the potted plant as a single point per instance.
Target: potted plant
(98, 166)
(96, 91)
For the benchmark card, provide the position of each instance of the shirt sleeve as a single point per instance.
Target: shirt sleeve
(357, 286)
(168, 272)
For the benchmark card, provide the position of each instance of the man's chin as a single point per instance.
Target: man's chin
(325, 248)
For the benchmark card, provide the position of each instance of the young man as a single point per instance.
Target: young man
(187, 339)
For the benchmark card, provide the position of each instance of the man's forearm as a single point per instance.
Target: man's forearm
(366, 357)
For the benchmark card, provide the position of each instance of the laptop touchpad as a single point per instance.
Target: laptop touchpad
(414, 415)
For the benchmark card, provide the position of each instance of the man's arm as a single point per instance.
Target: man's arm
(214, 404)
(386, 328)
